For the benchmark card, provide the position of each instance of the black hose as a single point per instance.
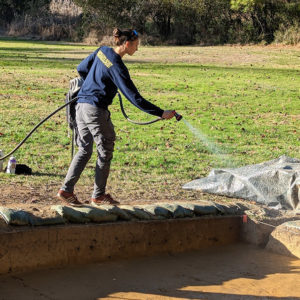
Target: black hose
(57, 110)
(36, 127)
(135, 122)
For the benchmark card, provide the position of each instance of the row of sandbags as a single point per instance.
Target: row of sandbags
(109, 213)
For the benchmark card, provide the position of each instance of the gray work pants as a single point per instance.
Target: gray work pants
(94, 125)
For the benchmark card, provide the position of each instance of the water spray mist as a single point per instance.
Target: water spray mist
(221, 155)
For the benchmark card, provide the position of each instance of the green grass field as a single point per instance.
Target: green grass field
(244, 100)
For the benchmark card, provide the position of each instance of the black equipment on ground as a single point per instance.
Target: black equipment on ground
(22, 169)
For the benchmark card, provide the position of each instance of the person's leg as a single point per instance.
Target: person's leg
(102, 130)
(85, 150)
(105, 148)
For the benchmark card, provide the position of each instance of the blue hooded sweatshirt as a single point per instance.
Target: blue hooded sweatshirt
(104, 73)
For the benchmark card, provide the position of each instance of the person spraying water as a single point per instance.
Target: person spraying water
(104, 73)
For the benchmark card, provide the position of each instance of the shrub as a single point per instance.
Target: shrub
(288, 35)
(45, 26)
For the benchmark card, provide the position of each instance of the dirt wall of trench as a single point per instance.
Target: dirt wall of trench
(35, 248)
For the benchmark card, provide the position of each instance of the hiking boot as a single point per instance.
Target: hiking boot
(104, 199)
(68, 198)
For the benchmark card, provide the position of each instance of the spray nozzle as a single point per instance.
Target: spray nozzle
(177, 116)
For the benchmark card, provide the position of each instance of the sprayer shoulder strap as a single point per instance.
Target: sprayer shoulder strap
(75, 85)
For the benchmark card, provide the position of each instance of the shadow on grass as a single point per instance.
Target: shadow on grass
(36, 58)
(36, 50)
(17, 40)
(40, 174)
(67, 62)
(41, 63)
(179, 65)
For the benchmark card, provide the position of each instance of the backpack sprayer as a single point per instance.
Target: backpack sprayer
(70, 104)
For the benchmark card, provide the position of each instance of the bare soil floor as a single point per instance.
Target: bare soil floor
(237, 272)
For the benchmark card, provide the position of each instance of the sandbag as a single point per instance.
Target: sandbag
(120, 213)
(70, 214)
(96, 215)
(135, 213)
(177, 210)
(229, 209)
(15, 217)
(201, 209)
(21, 217)
(38, 221)
(158, 211)
(85, 214)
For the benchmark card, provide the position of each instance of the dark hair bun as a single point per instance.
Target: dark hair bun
(122, 36)
(117, 32)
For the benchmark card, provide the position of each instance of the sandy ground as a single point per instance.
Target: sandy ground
(236, 272)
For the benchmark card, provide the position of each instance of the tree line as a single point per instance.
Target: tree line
(180, 22)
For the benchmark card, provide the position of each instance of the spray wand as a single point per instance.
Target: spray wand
(177, 116)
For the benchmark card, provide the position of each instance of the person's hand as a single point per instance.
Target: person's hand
(168, 114)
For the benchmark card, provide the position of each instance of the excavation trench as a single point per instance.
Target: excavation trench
(32, 248)
(192, 258)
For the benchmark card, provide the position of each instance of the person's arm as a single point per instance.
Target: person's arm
(122, 80)
(84, 67)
